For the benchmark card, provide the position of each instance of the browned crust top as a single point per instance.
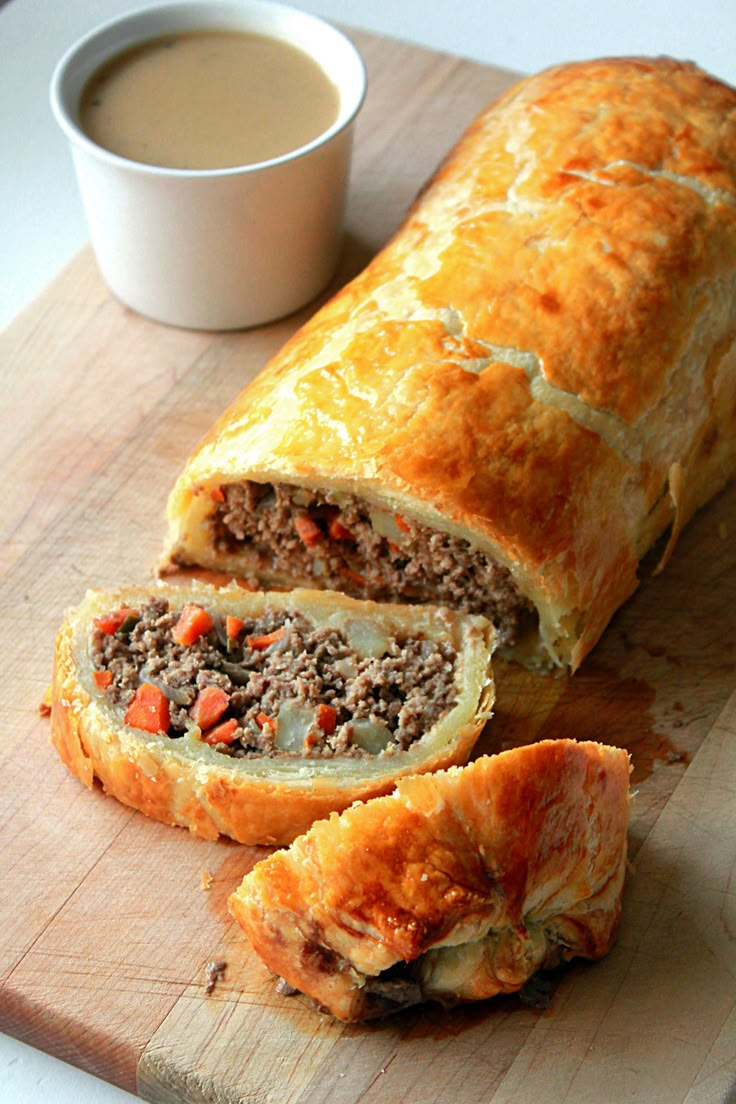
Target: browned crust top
(538, 345)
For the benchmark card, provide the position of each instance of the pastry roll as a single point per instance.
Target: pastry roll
(457, 886)
(252, 714)
(529, 385)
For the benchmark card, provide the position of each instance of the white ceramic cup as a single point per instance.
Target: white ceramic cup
(223, 248)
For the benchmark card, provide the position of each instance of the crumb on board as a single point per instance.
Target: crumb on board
(44, 707)
(205, 879)
(214, 972)
(284, 989)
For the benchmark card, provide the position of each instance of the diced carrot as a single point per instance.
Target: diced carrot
(402, 524)
(338, 531)
(233, 627)
(308, 530)
(102, 678)
(326, 718)
(223, 733)
(110, 622)
(193, 622)
(264, 721)
(258, 643)
(353, 576)
(149, 709)
(217, 494)
(210, 704)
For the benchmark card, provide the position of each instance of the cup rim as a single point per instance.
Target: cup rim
(197, 11)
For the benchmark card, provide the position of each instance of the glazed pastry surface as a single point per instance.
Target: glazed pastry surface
(258, 799)
(457, 886)
(541, 362)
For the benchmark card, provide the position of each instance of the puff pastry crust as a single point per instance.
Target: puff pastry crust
(456, 887)
(541, 362)
(257, 800)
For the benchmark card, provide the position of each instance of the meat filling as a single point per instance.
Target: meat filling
(339, 542)
(272, 686)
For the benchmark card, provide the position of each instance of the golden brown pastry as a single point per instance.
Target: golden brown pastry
(252, 714)
(457, 886)
(523, 391)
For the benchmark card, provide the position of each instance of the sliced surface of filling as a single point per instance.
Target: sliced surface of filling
(340, 542)
(270, 686)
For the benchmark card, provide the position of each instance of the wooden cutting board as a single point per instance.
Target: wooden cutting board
(107, 919)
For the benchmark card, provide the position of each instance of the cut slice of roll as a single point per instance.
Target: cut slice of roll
(457, 886)
(253, 714)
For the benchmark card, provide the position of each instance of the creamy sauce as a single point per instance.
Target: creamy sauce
(208, 100)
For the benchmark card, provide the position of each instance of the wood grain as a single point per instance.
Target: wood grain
(109, 920)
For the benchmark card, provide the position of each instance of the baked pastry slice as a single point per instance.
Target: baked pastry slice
(457, 886)
(252, 714)
(523, 391)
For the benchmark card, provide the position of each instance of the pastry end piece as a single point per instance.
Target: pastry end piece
(458, 886)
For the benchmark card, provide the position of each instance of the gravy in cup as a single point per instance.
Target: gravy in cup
(208, 99)
(212, 142)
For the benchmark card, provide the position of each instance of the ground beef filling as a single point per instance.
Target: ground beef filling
(282, 686)
(350, 546)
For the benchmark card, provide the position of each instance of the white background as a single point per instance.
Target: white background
(42, 223)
